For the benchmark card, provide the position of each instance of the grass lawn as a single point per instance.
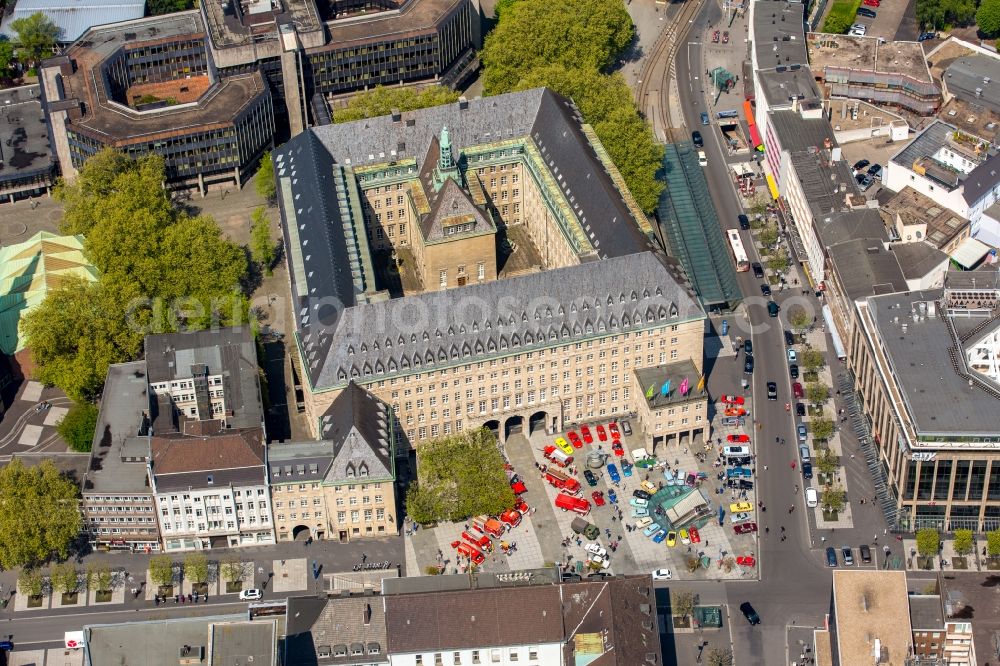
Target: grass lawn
(841, 16)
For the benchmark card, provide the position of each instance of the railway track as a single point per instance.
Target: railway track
(659, 69)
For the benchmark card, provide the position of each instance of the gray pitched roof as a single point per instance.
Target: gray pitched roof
(981, 180)
(378, 340)
(452, 205)
(359, 426)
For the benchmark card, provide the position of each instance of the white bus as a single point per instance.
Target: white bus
(739, 254)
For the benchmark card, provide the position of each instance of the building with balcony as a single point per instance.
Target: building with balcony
(912, 217)
(503, 220)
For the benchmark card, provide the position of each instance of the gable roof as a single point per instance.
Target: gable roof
(981, 180)
(358, 425)
(451, 206)
(181, 461)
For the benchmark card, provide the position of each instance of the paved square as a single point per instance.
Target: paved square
(32, 392)
(30, 435)
(290, 575)
(54, 416)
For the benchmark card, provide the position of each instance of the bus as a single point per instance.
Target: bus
(739, 254)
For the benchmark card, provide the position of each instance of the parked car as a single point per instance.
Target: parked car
(867, 13)
(253, 594)
(807, 470)
(748, 347)
(744, 222)
(704, 118)
(812, 498)
(800, 409)
(697, 140)
(564, 446)
(638, 502)
(772, 309)
(792, 356)
(793, 371)
(745, 528)
(587, 437)
(860, 165)
(589, 476)
(613, 428)
(797, 390)
(602, 434)
(875, 171)
(661, 574)
(803, 433)
(924, 36)
(660, 536)
(831, 556)
(758, 270)
(739, 517)
(702, 158)
(598, 498)
(644, 522)
(613, 473)
(651, 529)
(749, 613)
(804, 453)
(772, 391)
(641, 494)
(612, 496)
(574, 439)
(848, 556)
(595, 549)
(748, 365)
(866, 553)
(626, 427)
(765, 289)
(789, 339)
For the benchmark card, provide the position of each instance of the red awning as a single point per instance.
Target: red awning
(755, 138)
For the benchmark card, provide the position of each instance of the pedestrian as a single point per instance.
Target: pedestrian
(852, 456)
(767, 530)
(782, 528)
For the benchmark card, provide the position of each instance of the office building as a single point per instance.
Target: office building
(27, 161)
(341, 487)
(912, 217)
(503, 222)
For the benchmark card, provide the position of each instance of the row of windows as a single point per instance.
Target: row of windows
(492, 655)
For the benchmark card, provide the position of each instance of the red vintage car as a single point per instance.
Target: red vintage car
(733, 399)
(469, 551)
(746, 561)
(517, 485)
(587, 437)
(745, 528)
(613, 427)
(715, 37)
(735, 411)
(693, 533)
(511, 518)
(602, 433)
(742, 439)
(618, 449)
(598, 497)
(725, 37)
(521, 505)
(574, 439)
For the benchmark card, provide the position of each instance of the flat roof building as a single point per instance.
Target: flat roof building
(27, 160)
(74, 17)
(870, 622)
(974, 78)
(911, 216)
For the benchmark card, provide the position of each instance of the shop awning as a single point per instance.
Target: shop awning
(838, 345)
(758, 143)
(773, 186)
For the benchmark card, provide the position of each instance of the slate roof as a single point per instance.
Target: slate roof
(336, 621)
(229, 352)
(981, 180)
(181, 461)
(925, 144)
(440, 621)
(918, 259)
(779, 33)
(356, 434)
(488, 320)
(451, 206)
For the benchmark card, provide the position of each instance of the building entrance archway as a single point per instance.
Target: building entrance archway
(494, 426)
(514, 424)
(538, 423)
(301, 533)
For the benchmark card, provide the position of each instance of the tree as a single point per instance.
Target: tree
(993, 543)
(381, 101)
(78, 426)
(720, 657)
(768, 235)
(99, 578)
(196, 568)
(812, 360)
(459, 476)
(30, 582)
(39, 516)
(65, 578)
(232, 570)
(928, 542)
(682, 603)
(160, 7)
(577, 34)
(261, 245)
(6, 59)
(501, 7)
(161, 570)
(799, 319)
(832, 499)
(264, 182)
(822, 429)
(988, 17)
(36, 35)
(943, 14)
(963, 542)
(778, 262)
(817, 393)
(826, 463)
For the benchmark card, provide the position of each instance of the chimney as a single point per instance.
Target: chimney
(368, 614)
(463, 103)
(396, 115)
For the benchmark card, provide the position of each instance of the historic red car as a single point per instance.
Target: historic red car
(521, 506)
(741, 439)
(725, 37)
(574, 439)
(511, 518)
(746, 561)
(618, 449)
(733, 399)
(613, 427)
(745, 528)
(587, 437)
(602, 433)
(693, 533)
(469, 551)
(598, 497)
(715, 37)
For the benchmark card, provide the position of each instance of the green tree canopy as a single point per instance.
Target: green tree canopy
(822, 429)
(832, 499)
(459, 476)
(6, 59)
(778, 262)
(928, 541)
(36, 35)
(381, 100)
(98, 578)
(196, 568)
(65, 578)
(263, 181)
(78, 426)
(963, 542)
(826, 462)
(943, 14)
(682, 603)
(39, 517)
(993, 543)
(161, 570)
(812, 360)
(262, 248)
(988, 17)
(577, 34)
(799, 319)
(817, 393)
(31, 582)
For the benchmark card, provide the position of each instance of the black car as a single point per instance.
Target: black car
(748, 347)
(758, 270)
(875, 171)
(924, 36)
(748, 365)
(800, 409)
(589, 476)
(789, 339)
(831, 556)
(861, 164)
(641, 494)
(742, 461)
(740, 484)
(697, 140)
(765, 289)
(793, 371)
(744, 222)
(749, 613)
(866, 553)
(868, 13)
(807, 470)
(772, 391)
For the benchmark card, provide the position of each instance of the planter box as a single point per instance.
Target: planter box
(830, 515)
(925, 563)
(102, 596)
(234, 587)
(199, 588)
(993, 563)
(35, 601)
(165, 590)
(959, 563)
(70, 598)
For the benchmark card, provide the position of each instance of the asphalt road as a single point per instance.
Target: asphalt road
(795, 584)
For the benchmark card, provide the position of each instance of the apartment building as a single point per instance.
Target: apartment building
(544, 332)
(341, 487)
(926, 379)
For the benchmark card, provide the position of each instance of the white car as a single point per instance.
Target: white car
(601, 561)
(595, 549)
(792, 356)
(251, 595)
(812, 498)
(739, 517)
(702, 159)
(643, 522)
(661, 574)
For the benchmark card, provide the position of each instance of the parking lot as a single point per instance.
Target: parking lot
(889, 14)
(680, 474)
